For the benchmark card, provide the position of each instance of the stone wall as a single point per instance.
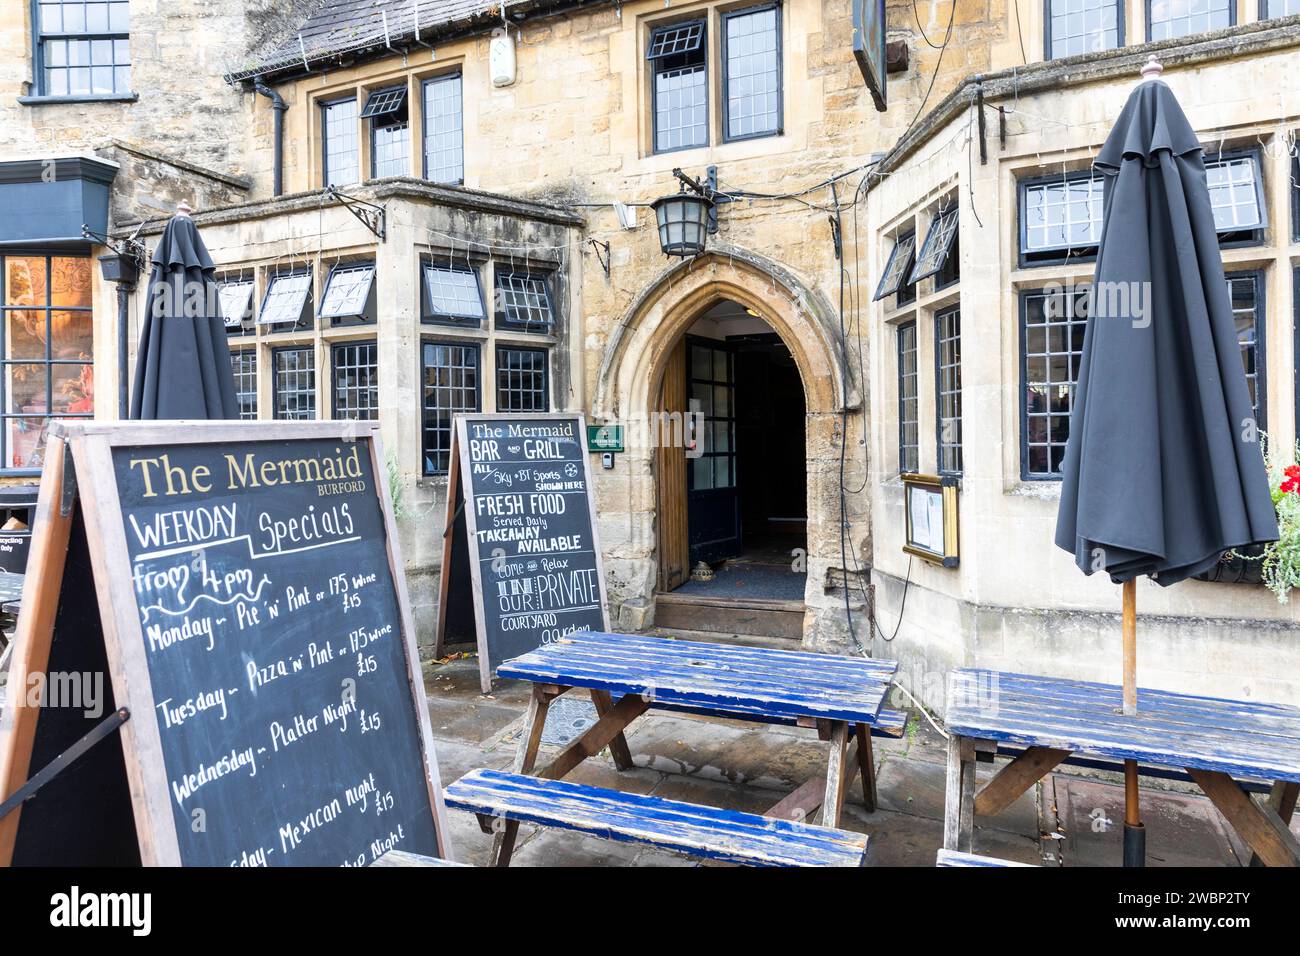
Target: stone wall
(183, 136)
(574, 129)
(256, 239)
(1016, 602)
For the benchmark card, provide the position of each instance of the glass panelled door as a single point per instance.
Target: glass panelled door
(713, 501)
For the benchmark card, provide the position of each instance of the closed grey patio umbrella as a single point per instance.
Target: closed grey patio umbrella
(182, 367)
(1163, 471)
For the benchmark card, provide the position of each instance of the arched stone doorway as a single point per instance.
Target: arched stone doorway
(628, 390)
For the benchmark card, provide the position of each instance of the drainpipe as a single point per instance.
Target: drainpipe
(279, 105)
(121, 267)
(124, 291)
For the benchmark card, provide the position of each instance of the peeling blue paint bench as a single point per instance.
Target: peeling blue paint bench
(958, 858)
(707, 832)
(627, 675)
(1216, 741)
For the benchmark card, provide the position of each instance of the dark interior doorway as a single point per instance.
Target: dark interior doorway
(771, 446)
(747, 481)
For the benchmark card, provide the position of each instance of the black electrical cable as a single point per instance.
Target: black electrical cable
(752, 194)
(857, 312)
(844, 430)
(917, 16)
(902, 606)
(1020, 35)
(952, 16)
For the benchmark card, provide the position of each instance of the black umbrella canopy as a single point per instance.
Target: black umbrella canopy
(182, 367)
(1163, 470)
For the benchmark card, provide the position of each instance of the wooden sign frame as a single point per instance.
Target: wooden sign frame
(458, 468)
(945, 486)
(91, 446)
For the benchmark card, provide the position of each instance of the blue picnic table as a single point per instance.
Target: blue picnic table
(1216, 741)
(627, 675)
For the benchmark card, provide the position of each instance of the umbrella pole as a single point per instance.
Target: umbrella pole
(1134, 832)
(1130, 648)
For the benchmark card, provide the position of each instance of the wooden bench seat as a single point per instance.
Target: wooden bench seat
(707, 832)
(957, 858)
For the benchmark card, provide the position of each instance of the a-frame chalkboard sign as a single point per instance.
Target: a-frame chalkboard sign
(240, 584)
(521, 561)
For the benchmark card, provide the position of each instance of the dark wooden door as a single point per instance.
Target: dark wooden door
(713, 498)
(674, 547)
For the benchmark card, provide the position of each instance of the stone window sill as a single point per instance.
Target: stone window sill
(1047, 489)
(97, 98)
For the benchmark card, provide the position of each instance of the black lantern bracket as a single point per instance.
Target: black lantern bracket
(708, 189)
(127, 257)
(374, 217)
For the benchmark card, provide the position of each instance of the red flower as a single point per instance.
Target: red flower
(1292, 481)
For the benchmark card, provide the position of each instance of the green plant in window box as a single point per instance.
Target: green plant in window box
(1280, 559)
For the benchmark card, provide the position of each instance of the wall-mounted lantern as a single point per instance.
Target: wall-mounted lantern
(686, 218)
(122, 268)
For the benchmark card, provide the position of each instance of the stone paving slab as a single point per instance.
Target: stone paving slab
(1182, 829)
(918, 788)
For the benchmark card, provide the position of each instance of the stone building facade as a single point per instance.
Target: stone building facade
(1017, 180)
(137, 84)
(575, 128)
(109, 112)
(515, 156)
(366, 333)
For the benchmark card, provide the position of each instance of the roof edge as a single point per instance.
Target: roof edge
(401, 187)
(1258, 37)
(285, 69)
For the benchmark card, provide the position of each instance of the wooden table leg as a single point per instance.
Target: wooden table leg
(503, 844)
(867, 765)
(799, 805)
(1260, 826)
(597, 737)
(847, 759)
(835, 774)
(959, 803)
(618, 747)
(1016, 777)
(1282, 800)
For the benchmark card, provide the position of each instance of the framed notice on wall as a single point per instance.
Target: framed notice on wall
(930, 512)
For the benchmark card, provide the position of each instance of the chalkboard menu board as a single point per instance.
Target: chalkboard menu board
(257, 627)
(521, 495)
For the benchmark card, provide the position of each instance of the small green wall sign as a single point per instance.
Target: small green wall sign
(602, 438)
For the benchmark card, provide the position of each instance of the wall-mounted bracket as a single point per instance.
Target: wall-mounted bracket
(708, 189)
(372, 216)
(131, 246)
(602, 254)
